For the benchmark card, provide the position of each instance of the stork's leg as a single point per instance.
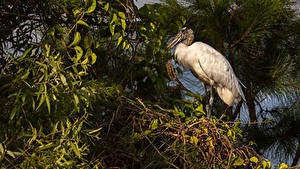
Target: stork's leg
(211, 100)
(206, 96)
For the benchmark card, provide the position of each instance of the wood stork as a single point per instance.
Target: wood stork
(209, 66)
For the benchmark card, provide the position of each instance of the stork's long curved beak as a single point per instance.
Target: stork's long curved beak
(174, 41)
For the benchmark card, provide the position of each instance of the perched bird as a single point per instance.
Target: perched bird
(209, 66)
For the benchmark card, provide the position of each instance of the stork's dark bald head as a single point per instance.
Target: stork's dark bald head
(185, 35)
(188, 35)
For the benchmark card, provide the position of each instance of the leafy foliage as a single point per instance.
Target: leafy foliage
(83, 84)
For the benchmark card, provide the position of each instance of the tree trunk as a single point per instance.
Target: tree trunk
(297, 155)
(237, 110)
(250, 97)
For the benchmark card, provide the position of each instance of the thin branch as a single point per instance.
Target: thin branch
(246, 33)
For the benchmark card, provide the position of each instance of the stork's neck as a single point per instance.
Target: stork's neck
(187, 42)
(181, 55)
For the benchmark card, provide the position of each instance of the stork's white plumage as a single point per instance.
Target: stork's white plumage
(209, 66)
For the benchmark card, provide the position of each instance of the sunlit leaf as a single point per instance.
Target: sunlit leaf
(26, 52)
(183, 20)
(254, 159)
(79, 52)
(283, 166)
(194, 140)
(44, 147)
(106, 7)
(76, 99)
(154, 124)
(94, 131)
(123, 24)
(75, 149)
(48, 103)
(1, 149)
(76, 40)
(114, 18)
(122, 15)
(94, 58)
(63, 79)
(81, 22)
(76, 11)
(119, 40)
(112, 29)
(92, 6)
(85, 61)
(264, 164)
(11, 154)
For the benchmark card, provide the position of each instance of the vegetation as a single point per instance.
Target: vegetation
(89, 84)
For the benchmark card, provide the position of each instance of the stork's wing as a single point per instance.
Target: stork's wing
(216, 67)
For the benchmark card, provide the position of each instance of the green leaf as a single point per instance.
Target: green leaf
(229, 133)
(81, 22)
(146, 132)
(76, 40)
(42, 99)
(269, 164)
(75, 149)
(34, 135)
(75, 12)
(283, 166)
(122, 15)
(25, 75)
(238, 162)
(264, 164)
(85, 61)
(92, 6)
(76, 99)
(48, 103)
(1, 149)
(94, 58)
(13, 113)
(94, 131)
(152, 25)
(112, 25)
(114, 18)
(154, 124)
(26, 52)
(254, 159)
(112, 29)
(11, 154)
(194, 140)
(139, 59)
(44, 147)
(183, 20)
(123, 24)
(63, 79)
(82, 73)
(119, 40)
(47, 50)
(106, 7)
(79, 52)
(87, 42)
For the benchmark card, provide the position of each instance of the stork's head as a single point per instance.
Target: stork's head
(185, 35)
